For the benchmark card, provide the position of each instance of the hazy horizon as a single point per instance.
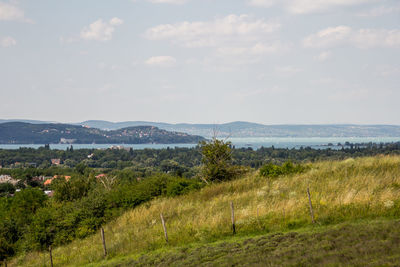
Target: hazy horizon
(208, 123)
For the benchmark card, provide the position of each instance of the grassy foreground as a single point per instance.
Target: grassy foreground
(373, 243)
(364, 189)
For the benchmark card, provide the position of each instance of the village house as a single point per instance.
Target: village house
(67, 141)
(56, 161)
(7, 179)
(50, 180)
(40, 178)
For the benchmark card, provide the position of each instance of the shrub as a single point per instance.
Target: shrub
(217, 160)
(272, 170)
(72, 189)
(6, 188)
(180, 186)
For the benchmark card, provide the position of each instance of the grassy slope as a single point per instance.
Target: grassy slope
(348, 191)
(377, 244)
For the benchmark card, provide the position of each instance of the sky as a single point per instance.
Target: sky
(201, 61)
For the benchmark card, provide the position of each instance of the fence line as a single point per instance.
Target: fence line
(103, 239)
(311, 207)
(233, 218)
(164, 227)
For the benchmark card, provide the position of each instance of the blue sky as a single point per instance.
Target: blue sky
(201, 61)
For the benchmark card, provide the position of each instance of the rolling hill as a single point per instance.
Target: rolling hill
(248, 129)
(356, 206)
(27, 133)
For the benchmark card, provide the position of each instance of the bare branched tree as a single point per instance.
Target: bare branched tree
(108, 181)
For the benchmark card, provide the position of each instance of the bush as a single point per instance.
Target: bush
(217, 160)
(43, 228)
(272, 170)
(180, 186)
(79, 207)
(73, 189)
(6, 188)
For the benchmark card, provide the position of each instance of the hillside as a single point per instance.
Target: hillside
(344, 244)
(27, 133)
(249, 129)
(356, 204)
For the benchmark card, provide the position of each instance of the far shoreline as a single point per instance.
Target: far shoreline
(238, 142)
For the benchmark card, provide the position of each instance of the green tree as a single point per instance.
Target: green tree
(8, 237)
(25, 203)
(6, 250)
(217, 160)
(6, 188)
(43, 228)
(75, 188)
(80, 168)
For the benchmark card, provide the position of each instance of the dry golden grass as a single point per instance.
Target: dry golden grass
(347, 190)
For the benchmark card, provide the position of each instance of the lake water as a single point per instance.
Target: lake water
(253, 142)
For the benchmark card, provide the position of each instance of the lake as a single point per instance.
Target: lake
(253, 142)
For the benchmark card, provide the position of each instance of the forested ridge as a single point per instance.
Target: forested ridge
(27, 133)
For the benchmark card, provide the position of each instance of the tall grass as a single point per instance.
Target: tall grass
(363, 188)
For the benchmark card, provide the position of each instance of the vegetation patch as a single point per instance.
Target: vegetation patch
(341, 192)
(272, 170)
(367, 243)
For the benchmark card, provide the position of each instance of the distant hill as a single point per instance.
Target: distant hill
(248, 129)
(27, 133)
(27, 121)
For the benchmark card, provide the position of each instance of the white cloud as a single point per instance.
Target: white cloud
(362, 38)
(7, 41)
(324, 56)
(11, 12)
(232, 30)
(328, 37)
(316, 6)
(116, 21)
(161, 61)
(100, 30)
(235, 40)
(307, 6)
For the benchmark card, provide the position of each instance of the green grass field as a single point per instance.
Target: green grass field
(356, 204)
(366, 243)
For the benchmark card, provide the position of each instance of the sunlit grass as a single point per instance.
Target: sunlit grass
(363, 188)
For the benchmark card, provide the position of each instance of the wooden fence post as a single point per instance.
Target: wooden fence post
(103, 239)
(311, 207)
(51, 256)
(233, 218)
(165, 228)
